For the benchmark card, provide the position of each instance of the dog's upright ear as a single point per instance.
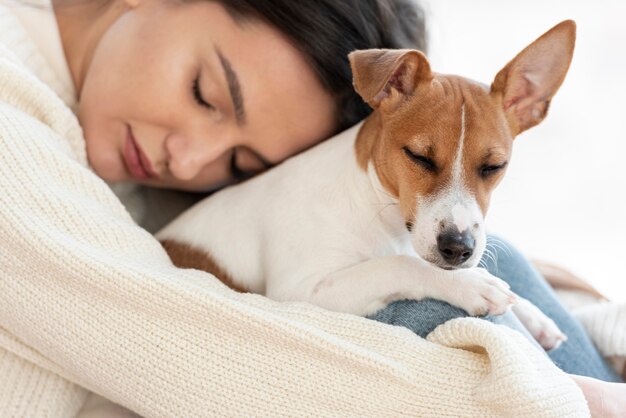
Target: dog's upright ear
(387, 74)
(529, 81)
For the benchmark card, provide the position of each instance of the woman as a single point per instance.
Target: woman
(192, 96)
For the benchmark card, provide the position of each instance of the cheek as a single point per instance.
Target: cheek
(483, 202)
(102, 128)
(482, 190)
(104, 137)
(105, 85)
(482, 194)
(418, 188)
(408, 205)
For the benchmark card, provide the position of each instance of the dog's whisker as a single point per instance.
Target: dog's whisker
(499, 244)
(491, 256)
(500, 247)
(492, 251)
(487, 257)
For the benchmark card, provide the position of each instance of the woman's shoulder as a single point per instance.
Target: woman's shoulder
(28, 30)
(29, 103)
(30, 112)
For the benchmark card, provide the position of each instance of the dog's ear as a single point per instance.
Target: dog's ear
(380, 74)
(530, 80)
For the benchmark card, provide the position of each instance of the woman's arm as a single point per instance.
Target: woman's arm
(91, 297)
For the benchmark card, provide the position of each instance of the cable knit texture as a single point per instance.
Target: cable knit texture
(90, 301)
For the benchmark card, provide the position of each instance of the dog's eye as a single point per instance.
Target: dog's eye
(488, 170)
(425, 162)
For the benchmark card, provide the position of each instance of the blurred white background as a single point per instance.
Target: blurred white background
(562, 199)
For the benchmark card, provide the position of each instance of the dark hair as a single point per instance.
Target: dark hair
(327, 30)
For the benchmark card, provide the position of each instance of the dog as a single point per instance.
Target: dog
(392, 208)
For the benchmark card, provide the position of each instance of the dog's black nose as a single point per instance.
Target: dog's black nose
(455, 247)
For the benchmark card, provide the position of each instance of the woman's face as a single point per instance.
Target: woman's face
(180, 96)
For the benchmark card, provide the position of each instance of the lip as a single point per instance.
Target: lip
(136, 161)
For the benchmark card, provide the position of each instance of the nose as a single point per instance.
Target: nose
(187, 156)
(456, 247)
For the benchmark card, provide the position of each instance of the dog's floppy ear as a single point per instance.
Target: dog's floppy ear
(379, 74)
(530, 80)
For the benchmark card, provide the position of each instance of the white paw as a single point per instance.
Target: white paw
(542, 328)
(480, 293)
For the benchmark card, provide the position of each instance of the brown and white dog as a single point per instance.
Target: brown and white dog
(392, 208)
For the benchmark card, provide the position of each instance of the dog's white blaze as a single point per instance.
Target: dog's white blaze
(460, 214)
(461, 217)
(457, 168)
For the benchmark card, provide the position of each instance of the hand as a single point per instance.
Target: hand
(605, 399)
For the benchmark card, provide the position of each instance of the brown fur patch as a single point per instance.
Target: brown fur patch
(186, 256)
(366, 139)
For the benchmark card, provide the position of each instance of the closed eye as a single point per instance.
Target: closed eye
(197, 94)
(422, 161)
(240, 174)
(488, 170)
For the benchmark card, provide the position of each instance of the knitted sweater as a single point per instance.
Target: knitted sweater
(89, 301)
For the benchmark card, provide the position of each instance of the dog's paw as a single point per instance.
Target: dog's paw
(542, 328)
(480, 293)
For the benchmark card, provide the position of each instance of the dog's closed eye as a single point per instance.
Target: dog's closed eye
(488, 170)
(421, 160)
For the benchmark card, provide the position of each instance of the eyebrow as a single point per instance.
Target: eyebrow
(234, 88)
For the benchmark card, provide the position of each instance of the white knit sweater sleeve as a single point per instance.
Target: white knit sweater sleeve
(88, 298)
